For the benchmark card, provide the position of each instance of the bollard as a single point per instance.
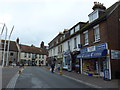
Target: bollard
(60, 70)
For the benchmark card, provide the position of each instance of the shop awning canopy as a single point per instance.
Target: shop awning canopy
(94, 54)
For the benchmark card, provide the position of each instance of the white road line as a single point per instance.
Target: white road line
(12, 82)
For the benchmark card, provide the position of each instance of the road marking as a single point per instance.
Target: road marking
(12, 82)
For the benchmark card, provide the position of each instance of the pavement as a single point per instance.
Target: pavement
(7, 74)
(95, 82)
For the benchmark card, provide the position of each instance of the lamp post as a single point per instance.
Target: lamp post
(8, 46)
(0, 40)
(4, 48)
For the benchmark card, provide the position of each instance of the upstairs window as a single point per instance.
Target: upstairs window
(93, 16)
(75, 43)
(85, 38)
(39, 56)
(68, 45)
(72, 31)
(29, 55)
(77, 28)
(25, 55)
(42, 56)
(96, 33)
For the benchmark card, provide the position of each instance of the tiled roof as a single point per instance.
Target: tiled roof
(13, 46)
(33, 49)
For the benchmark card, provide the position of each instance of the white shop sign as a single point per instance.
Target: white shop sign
(115, 54)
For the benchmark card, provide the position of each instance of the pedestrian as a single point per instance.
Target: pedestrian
(52, 67)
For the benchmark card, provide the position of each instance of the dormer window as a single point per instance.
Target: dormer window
(93, 16)
(77, 28)
(98, 10)
(72, 31)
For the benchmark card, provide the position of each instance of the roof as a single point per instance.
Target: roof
(13, 46)
(33, 49)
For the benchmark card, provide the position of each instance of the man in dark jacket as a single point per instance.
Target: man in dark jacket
(52, 67)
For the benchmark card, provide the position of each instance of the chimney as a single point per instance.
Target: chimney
(42, 44)
(17, 40)
(32, 45)
(99, 6)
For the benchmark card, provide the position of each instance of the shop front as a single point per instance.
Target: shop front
(94, 60)
(67, 61)
(75, 61)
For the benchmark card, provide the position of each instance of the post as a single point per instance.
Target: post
(81, 65)
(4, 49)
(8, 46)
(1, 41)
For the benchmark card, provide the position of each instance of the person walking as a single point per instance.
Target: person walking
(52, 67)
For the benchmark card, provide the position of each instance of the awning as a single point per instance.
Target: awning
(94, 54)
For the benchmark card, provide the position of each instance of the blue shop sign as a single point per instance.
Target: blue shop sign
(94, 48)
(94, 54)
(101, 46)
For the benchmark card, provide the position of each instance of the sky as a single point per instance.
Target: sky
(41, 20)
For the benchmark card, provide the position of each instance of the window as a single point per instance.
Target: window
(29, 55)
(11, 54)
(93, 16)
(61, 48)
(42, 56)
(68, 45)
(96, 33)
(86, 38)
(72, 31)
(75, 43)
(25, 55)
(77, 28)
(39, 56)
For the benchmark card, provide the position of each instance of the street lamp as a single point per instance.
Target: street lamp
(0, 39)
(9, 46)
(4, 48)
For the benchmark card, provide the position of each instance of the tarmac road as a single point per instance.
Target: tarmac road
(39, 77)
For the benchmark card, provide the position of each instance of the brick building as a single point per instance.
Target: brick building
(100, 51)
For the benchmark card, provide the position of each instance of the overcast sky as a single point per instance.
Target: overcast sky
(42, 20)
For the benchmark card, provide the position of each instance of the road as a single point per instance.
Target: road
(39, 77)
(7, 74)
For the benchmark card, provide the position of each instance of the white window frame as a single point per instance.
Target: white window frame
(96, 33)
(75, 43)
(77, 28)
(86, 41)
